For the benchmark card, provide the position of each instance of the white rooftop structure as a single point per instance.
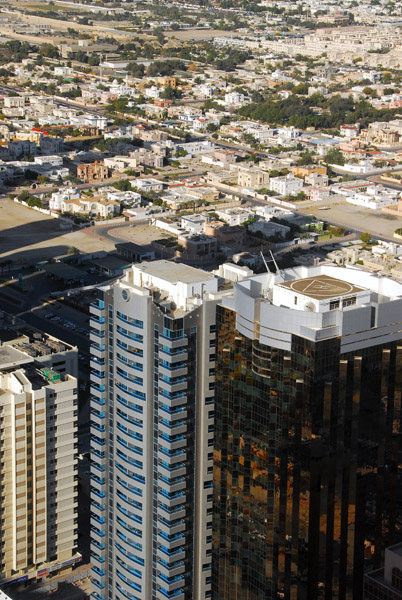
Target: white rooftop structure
(182, 284)
(317, 303)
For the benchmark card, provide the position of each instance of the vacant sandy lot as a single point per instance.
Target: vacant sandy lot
(139, 234)
(357, 218)
(27, 235)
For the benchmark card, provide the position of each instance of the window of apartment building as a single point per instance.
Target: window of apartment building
(350, 301)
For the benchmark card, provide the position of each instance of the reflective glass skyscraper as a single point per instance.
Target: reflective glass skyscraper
(307, 433)
(152, 401)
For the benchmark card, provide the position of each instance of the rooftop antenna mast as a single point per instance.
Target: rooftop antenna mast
(272, 260)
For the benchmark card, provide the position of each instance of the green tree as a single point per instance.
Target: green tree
(23, 196)
(123, 185)
(170, 93)
(365, 238)
(137, 70)
(180, 152)
(334, 157)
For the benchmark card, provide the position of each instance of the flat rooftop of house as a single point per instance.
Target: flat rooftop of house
(63, 271)
(173, 272)
(321, 287)
(11, 358)
(111, 262)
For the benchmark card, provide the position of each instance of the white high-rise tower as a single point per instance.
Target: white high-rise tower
(152, 409)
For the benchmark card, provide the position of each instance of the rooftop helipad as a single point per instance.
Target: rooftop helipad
(322, 287)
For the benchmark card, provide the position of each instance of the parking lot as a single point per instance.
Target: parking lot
(66, 324)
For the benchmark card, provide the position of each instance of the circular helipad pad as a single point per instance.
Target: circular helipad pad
(321, 287)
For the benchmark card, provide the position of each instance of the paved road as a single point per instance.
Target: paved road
(389, 184)
(92, 111)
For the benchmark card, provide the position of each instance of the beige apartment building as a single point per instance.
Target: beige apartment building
(38, 459)
(252, 177)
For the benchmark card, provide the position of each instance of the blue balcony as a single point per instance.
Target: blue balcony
(99, 334)
(127, 553)
(129, 514)
(97, 596)
(98, 493)
(100, 428)
(131, 335)
(96, 531)
(98, 467)
(100, 480)
(131, 488)
(174, 351)
(171, 509)
(169, 552)
(171, 538)
(99, 545)
(168, 452)
(172, 424)
(97, 452)
(173, 366)
(125, 593)
(130, 432)
(98, 386)
(99, 375)
(98, 571)
(165, 465)
(100, 520)
(97, 320)
(97, 413)
(129, 528)
(138, 352)
(132, 584)
(130, 363)
(168, 334)
(98, 584)
(98, 304)
(131, 378)
(129, 541)
(97, 440)
(97, 505)
(172, 411)
(130, 391)
(174, 594)
(98, 361)
(170, 580)
(172, 495)
(99, 401)
(96, 346)
(133, 503)
(171, 523)
(132, 447)
(130, 474)
(130, 320)
(172, 438)
(172, 395)
(98, 557)
(136, 407)
(173, 380)
(132, 461)
(171, 565)
(171, 481)
(128, 568)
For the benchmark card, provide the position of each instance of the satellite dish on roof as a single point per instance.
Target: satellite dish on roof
(309, 307)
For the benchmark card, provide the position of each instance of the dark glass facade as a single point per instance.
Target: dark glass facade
(306, 458)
